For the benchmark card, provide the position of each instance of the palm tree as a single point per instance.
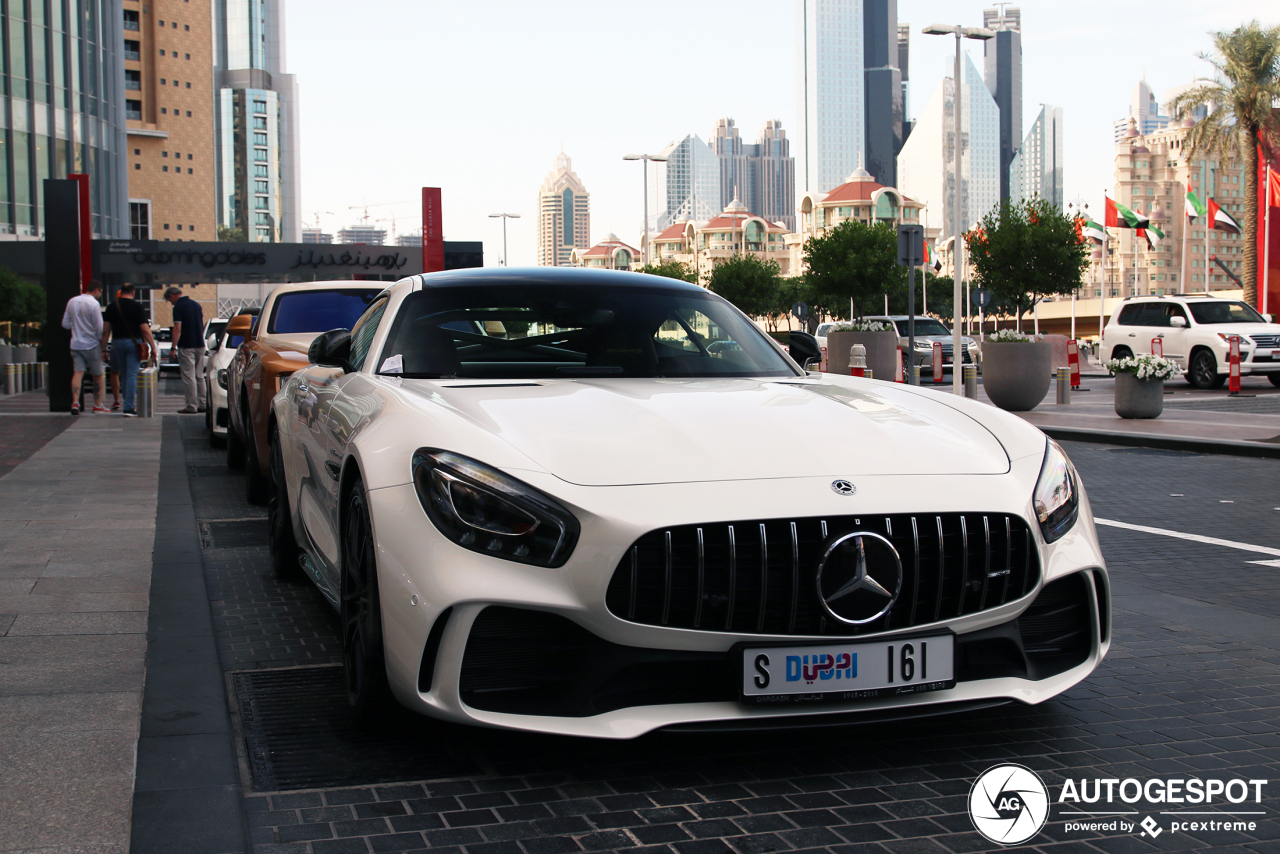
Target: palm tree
(1239, 99)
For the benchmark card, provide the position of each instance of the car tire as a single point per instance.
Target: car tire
(1121, 353)
(364, 665)
(235, 448)
(1274, 379)
(284, 546)
(1202, 372)
(255, 484)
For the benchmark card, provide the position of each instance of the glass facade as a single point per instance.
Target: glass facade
(65, 91)
(686, 186)
(830, 92)
(250, 195)
(1037, 167)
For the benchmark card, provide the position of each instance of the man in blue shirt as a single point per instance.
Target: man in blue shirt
(188, 343)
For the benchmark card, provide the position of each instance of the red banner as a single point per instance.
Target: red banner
(432, 231)
(1268, 200)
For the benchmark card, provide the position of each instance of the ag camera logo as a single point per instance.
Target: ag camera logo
(1009, 804)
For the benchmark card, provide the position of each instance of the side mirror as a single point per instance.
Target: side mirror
(1177, 321)
(804, 349)
(241, 324)
(331, 349)
(1268, 318)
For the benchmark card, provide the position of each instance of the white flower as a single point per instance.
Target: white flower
(1145, 367)
(1009, 336)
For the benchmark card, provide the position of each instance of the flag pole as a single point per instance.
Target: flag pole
(1186, 227)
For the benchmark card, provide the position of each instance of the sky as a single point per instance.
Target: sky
(479, 97)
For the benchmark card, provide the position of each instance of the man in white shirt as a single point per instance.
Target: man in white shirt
(84, 318)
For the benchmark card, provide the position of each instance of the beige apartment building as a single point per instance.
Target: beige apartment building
(1152, 174)
(609, 254)
(564, 215)
(735, 231)
(169, 112)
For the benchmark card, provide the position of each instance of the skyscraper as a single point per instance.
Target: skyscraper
(65, 111)
(762, 176)
(256, 123)
(1037, 167)
(848, 88)
(1003, 72)
(686, 186)
(564, 214)
(1144, 109)
(925, 166)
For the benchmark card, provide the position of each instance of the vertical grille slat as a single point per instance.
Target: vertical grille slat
(687, 576)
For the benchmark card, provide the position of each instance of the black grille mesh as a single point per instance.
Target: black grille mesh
(759, 577)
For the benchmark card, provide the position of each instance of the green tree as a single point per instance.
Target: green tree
(1025, 252)
(230, 235)
(671, 270)
(10, 296)
(747, 282)
(855, 261)
(32, 306)
(1245, 85)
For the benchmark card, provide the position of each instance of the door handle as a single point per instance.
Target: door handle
(1133, 335)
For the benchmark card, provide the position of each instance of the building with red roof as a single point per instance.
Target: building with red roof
(609, 254)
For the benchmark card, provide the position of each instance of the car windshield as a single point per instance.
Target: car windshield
(824, 330)
(1224, 311)
(320, 311)
(566, 331)
(924, 326)
(215, 328)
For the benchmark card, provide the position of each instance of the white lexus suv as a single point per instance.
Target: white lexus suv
(1196, 330)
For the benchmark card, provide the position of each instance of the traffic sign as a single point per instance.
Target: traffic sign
(800, 310)
(981, 297)
(910, 245)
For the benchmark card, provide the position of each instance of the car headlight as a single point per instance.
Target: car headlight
(222, 379)
(486, 511)
(1057, 494)
(924, 345)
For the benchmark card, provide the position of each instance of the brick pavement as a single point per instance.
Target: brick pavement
(1174, 698)
(22, 437)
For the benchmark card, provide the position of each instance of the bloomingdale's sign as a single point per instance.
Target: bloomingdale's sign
(152, 256)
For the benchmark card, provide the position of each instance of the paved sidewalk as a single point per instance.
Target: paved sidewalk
(77, 527)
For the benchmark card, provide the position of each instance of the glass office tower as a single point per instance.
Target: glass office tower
(63, 70)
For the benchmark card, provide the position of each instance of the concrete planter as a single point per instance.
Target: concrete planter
(1016, 376)
(882, 352)
(23, 354)
(1137, 398)
(6, 354)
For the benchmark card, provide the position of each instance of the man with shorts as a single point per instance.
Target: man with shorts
(83, 317)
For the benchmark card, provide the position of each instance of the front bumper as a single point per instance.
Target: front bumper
(484, 641)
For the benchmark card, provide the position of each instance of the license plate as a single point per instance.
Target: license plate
(847, 671)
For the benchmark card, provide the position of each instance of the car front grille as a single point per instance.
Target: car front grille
(760, 576)
(1266, 340)
(965, 352)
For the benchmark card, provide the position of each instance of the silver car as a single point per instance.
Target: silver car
(929, 330)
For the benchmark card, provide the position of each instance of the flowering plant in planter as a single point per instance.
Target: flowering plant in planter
(1147, 367)
(862, 325)
(1009, 336)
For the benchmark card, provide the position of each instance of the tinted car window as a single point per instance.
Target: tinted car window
(319, 311)
(1129, 315)
(363, 331)
(1152, 314)
(924, 326)
(1224, 312)
(567, 331)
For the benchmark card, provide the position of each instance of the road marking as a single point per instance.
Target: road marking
(1197, 538)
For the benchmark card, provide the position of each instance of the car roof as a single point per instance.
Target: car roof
(292, 287)
(540, 276)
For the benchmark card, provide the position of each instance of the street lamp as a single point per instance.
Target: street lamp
(980, 33)
(505, 217)
(657, 158)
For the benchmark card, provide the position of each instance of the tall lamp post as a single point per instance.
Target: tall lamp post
(505, 217)
(657, 158)
(982, 34)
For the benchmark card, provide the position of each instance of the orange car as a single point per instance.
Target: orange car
(275, 345)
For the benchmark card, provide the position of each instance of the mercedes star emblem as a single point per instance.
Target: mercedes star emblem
(859, 577)
(843, 487)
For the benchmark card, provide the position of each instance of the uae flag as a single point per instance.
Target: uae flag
(930, 260)
(1153, 235)
(1195, 207)
(1220, 220)
(1094, 232)
(1118, 216)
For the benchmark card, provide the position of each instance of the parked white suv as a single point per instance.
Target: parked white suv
(1195, 330)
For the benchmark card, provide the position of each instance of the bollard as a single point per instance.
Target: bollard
(1064, 385)
(867, 375)
(10, 378)
(937, 363)
(26, 376)
(971, 381)
(44, 374)
(823, 365)
(146, 399)
(1233, 384)
(915, 375)
(897, 373)
(1073, 362)
(858, 360)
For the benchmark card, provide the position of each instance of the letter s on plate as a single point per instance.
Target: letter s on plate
(762, 662)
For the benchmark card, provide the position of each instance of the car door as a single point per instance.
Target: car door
(1175, 338)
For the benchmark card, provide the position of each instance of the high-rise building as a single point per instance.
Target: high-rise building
(256, 123)
(1037, 167)
(65, 116)
(926, 170)
(904, 61)
(316, 235)
(564, 215)
(1144, 109)
(762, 176)
(370, 235)
(685, 186)
(1003, 71)
(168, 81)
(848, 89)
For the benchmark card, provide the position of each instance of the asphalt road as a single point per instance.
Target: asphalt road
(1191, 689)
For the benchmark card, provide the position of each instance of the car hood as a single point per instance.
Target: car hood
(640, 431)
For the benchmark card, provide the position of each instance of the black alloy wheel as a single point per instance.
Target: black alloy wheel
(284, 546)
(1203, 371)
(255, 483)
(364, 663)
(235, 447)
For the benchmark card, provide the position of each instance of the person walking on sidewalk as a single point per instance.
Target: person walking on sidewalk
(83, 316)
(126, 325)
(188, 343)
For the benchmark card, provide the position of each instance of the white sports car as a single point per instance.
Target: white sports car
(544, 500)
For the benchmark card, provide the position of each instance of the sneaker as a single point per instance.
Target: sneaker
(97, 409)
(75, 409)
(129, 413)
(187, 410)
(115, 407)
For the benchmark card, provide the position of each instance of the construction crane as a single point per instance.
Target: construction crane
(364, 220)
